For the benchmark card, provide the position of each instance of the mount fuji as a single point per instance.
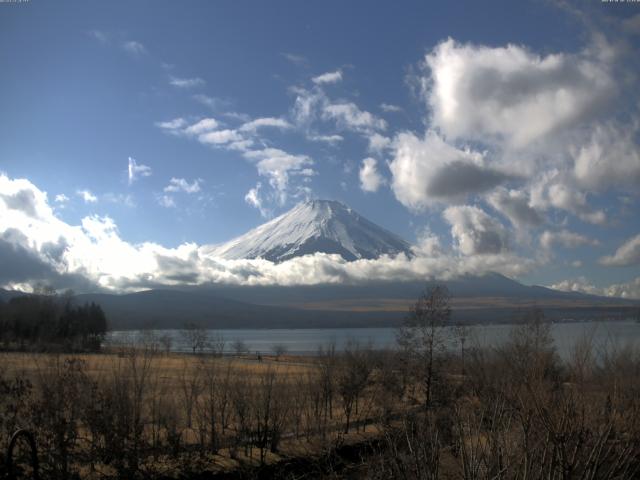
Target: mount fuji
(332, 227)
(325, 226)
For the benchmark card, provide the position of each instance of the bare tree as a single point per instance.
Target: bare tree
(269, 412)
(217, 344)
(391, 384)
(327, 362)
(239, 347)
(530, 347)
(278, 350)
(208, 405)
(241, 401)
(421, 335)
(190, 387)
(353, 377)
(195, 337)
(166, 341)
(461, 332)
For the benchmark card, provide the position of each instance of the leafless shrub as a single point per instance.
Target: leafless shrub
(354, 373)
(268, 412)
(57, 407)
(190, 384)
(327, 362)
(15, 396)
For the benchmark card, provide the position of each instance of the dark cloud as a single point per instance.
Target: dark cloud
(24, 200)
(178, 270)
(54, 251)
(515, 206)
(20, 264)
(461, 178)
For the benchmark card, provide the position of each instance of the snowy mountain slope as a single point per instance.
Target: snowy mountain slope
(314, 226)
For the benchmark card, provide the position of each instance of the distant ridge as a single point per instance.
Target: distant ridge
(490, 298)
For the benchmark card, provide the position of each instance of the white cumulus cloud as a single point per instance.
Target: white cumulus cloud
(628, 290)
(475, 232)
(370, 178)
(627, 254)
(429, 170)
(514, 204)
(510, 93)
(92, 255)
(566, 239)
(610, 158)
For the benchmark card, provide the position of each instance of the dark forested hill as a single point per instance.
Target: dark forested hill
(490, 298)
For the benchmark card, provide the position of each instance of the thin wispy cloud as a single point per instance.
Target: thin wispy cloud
(133, 47)
(349, 115)
(210, 102)
(253, 198)
(242, 117)
(296, 59)
(172, 125)
(390, 108)
(201, 126)
(119, 199)
(134, 171)
(182, 185)
(99, 35)
(330, 139)
(565, 239)
(327, 78)
(186, 83)
(87, 196)
(270, 122)
(166, 201)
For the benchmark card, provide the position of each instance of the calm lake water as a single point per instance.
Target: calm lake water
(306, 341)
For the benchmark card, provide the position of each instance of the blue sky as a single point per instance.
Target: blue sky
(503, 133)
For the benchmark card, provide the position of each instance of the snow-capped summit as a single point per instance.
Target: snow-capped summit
(314, 226)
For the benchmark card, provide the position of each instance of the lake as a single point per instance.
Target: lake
(306, 341)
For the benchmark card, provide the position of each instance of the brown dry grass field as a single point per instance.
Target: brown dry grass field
(168, 367)
(513, 412)
(175, 391)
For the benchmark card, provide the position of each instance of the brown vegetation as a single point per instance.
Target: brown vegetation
(512, 412)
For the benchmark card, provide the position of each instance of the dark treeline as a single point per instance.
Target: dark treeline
(45, 320)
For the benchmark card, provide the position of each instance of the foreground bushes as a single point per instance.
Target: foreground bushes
(517, 411)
